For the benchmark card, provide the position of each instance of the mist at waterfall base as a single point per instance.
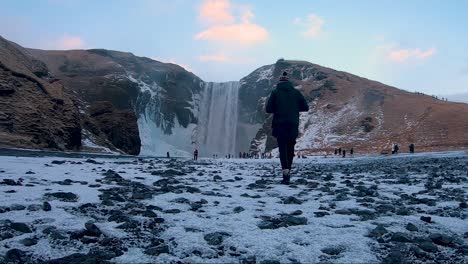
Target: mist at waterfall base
(216, 130)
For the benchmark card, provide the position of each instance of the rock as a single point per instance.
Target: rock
(46, 206)
(463, 205)
(378, 231)
(92, 229)
(292, 200)
(20, 227)
(172, 211)
(400, 237)
(441, 239)
(15, 255)
(62, 196)
(428, 246)
(394, 257)
(11, 182)
(216, 238)
(58, 162)
(17, 207)
(158, 250)
(270, 261)
(78, 258)
(89, 240)
(418, 252)
(29, 242)
(411, 227)
(426, 219)
(343, 211)
(34, 207)
(238, 209)
(333, 250)
(296, 213)
(217, 178)
(321, 213)
(294, 221)
(238, 178)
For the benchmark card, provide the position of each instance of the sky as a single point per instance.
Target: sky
(417, 45)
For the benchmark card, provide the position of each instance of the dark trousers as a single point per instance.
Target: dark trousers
(286, 150)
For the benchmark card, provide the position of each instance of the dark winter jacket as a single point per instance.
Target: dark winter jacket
(285, 103)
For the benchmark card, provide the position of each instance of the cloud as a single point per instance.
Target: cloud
(402, 55)
(216, 11)
(68, 42)
(224, 29)
(214, 58)
(313, 25)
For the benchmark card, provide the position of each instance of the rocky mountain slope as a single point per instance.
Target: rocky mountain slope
(349, 111)
(35, 111)
(38, 110)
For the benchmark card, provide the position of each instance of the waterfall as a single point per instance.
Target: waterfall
(218, 119)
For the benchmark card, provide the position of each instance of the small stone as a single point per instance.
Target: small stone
(158, 250)
(89, 240)
(378, 231)
(216, 238)
(463, 205)
(238, 209)
(92, 229)
(15, 255)
(17, 207)
(332, 250)
(20, 227)
(63, 196)
(426, 219)
(428, 246)
(321, 213)
(292, 200)
(441, 239)
(217, 178)
(29, 242)
(172, 211)
(411, 227)
(46, 206)
(296, 213)
(400, 237)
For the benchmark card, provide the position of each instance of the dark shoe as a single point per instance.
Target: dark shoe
(286, 179)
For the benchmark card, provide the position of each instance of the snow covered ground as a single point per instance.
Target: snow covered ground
(365, 209)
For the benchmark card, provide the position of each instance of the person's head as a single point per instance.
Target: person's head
(284, 76)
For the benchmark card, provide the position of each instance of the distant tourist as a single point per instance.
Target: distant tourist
(396, 148)
(195, 154)
(411, 148)
(336, 151)
(339, 151)
(344, 153)
(285, 103)
(167, 155)
(351, 152)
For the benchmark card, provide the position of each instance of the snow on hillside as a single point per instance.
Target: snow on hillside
(354, 210)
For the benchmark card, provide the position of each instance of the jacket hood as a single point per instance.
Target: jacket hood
(284, 85)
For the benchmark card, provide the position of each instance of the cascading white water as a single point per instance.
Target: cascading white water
(218, 119)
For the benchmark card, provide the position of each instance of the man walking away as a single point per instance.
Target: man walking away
(351, 151)
(344, 153)
(167, 155)
(195, 154)
(285, 103)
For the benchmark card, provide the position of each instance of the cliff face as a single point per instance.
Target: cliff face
(40, 110)
(349, 111)
(35, 111)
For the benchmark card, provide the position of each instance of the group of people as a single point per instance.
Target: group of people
(342, 152)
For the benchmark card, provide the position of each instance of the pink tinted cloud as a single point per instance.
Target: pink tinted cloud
(401, 55)
(216, 11)
(214, 58)
(225, 29)
(244, 33)
(68, 42)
